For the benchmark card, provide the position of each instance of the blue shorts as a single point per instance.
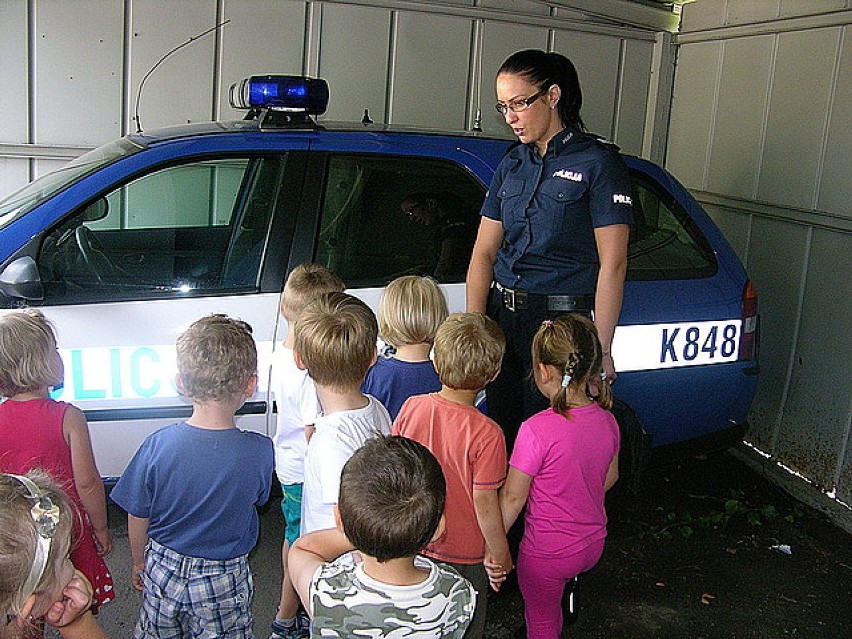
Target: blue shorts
(194, 597)
(291, 506)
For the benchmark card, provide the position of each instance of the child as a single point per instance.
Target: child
(39, 432)
(410, 311)
(298, 409)
(190, 493)
(336, 342)
(471, 449)
(565, 459)
(39, 583)
(390, 505)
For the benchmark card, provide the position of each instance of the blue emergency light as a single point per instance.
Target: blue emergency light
(287, 93)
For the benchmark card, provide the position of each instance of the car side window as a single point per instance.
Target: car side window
(665, 242)
(195, 226)
(382, 217)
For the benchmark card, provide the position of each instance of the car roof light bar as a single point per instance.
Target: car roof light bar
(287, 93)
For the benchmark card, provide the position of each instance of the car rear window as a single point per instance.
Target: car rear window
(665, 242)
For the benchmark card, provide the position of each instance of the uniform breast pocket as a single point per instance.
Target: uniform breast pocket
(557, 199)
(512, 203)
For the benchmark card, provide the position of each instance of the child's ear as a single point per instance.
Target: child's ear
(300, 363)
(494, 376)
(337, 521)
(543, 372)
(442, 525)
(179, 385)
(375, 357)
(251, 385)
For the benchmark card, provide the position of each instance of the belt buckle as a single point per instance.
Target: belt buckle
(509, 299)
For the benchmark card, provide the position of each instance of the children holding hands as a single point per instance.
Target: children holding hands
(564, 460)
(471, 450)
(411, 309)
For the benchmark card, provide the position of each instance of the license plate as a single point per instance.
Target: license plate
(650, 346)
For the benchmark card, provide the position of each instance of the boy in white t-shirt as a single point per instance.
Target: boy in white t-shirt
(298, 409)
(336, 342)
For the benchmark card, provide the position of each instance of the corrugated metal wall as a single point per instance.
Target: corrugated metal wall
(761, 131)
(71, 70)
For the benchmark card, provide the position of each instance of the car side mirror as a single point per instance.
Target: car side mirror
(96, 210)
(21, 279)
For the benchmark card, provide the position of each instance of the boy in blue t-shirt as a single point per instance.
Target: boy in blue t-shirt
(190, 494)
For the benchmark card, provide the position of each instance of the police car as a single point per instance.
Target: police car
(127, 245)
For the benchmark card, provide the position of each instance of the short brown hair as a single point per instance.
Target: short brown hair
(570, 344)
(468, 351)
(391, 498)
(216, 357)
(305, 282)
(335, 336)
(410, 310)
(28, 358)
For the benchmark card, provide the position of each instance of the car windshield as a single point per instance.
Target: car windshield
(36, 192)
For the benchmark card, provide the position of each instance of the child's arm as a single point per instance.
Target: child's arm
(137, 533)
(611, 473)
(308, 553)
(514, 495)
(87, 479)
(486, 503)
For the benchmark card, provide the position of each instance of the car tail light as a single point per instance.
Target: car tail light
(748, 339)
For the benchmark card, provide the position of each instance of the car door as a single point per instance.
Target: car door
(181, 230)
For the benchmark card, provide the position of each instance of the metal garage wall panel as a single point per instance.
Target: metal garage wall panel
(738, 127)
(633, 96)
(835, 187)
(78, 65)
(692, 112)
(735, 227)
(14, 173)
(704, 14)
(157, 27)
(814, 428)
(743, 12)
(776, 261)
(499, 41)
(597, 61)
(353, 59)
(44, 166)
(516, 6)
(801, 87)
(13, 75)
(429, 84)
(790, 8)
(280, 26)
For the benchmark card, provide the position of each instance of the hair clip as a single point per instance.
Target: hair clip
(566, 379)
(547, 323)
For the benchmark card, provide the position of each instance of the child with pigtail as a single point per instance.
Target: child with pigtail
(564, 460)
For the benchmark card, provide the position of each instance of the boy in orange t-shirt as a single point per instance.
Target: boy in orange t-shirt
(472, 452)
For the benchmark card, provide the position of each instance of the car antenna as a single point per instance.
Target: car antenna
(159, 62)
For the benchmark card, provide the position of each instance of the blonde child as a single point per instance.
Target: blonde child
(40, 584)
(191, 492)
(564, 460)
(39, 432)
(336, 343)
(471, 449)
(298, 408)
(410, 311)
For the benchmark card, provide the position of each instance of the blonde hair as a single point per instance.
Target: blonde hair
(216, 357)
(305, 282)
(28, 358)
(468, 351)
(410, 310)
(19, 538)
(335, 336)
(571, 345)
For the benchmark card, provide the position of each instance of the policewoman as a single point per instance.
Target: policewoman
(554, 226)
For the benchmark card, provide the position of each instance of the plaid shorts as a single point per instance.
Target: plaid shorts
(193, 597)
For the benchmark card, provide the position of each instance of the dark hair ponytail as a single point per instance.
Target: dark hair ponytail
(546, 69)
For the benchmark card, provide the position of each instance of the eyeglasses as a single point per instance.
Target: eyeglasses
(519, 105)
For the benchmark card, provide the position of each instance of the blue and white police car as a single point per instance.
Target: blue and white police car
(127, 245)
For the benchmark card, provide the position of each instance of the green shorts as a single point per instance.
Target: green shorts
(291, 506)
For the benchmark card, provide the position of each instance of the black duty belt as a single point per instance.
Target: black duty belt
(517, 300)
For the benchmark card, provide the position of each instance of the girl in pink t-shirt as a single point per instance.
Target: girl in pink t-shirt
(37, 432)
(565, 459)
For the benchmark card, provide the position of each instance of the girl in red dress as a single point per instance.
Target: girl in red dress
(39, 432)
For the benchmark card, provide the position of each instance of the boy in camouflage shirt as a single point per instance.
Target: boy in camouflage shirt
(390, 506)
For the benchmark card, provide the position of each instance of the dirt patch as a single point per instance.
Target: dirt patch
(707, 548)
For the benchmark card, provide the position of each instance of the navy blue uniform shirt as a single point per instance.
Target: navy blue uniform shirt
(549, 207)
